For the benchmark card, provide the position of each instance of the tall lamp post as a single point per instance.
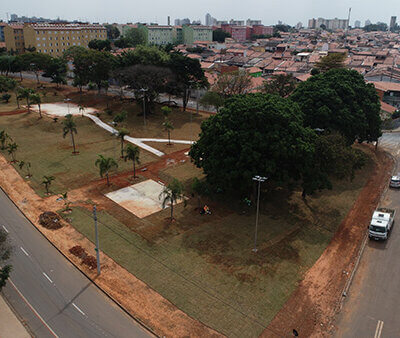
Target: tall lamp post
(144, 90)
(258, 179)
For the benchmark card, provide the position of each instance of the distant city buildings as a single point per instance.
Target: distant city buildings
(392, 23)
(357, 24)
(210, 21)
(24, 19)
(331, 24)
(181, 22)
(299, 25)
(367, 22)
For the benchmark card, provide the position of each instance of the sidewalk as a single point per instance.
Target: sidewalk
(10, 326)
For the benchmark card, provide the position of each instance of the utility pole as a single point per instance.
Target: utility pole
(259, 179)
(97, 240)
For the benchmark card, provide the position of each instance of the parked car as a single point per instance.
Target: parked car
(395, 181)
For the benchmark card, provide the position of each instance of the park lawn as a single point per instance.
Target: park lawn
(40, 142)
(186, 124)
(204, 264)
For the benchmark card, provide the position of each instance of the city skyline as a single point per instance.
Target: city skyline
(158, 11)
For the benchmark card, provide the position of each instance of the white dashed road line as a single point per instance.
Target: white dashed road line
(48, 278)
(378, 330)
(83, 313)
(23, 250)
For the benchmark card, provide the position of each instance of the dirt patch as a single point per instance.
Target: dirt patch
(312, 306)
(50, 220)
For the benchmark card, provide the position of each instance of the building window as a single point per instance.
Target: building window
(38, 44)
(43, 39)
(38, 39)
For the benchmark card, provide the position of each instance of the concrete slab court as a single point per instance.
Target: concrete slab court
(141, 199)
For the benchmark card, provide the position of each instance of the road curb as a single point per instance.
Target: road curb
(140, 322)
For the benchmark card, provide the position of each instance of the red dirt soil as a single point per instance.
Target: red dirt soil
(311, 308)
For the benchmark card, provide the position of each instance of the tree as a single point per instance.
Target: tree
(166, 111)
(233, 83)
(100, 69)
(188, 75)
(36, 99)
(69, 127)
(122, 43)
(56, 69)
(6, 98)
(26, 93)
(67, 203)
(105, 164)
(147, 82)
(143, 55)
(82, 109)
(120, 117)
(171, 194)
(168, 127)
(340, 100)
(27, 165)
(132, 154)
(100, 45)
(121, 135)
(4, 137)
(213, 99)
(253, 134)
(331, 61)
(47, 182)
(11, 149)
(35, 62)
(5, 254)
(7, 84)
(135, 37)
(82, 62)
(112, 32)
(199, 188)
(280, 84)
(219, 35)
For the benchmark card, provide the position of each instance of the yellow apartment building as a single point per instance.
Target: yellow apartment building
(55, 39)
(14, 38)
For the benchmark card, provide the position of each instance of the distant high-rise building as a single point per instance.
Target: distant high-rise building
(196, 22)
(236, 22)
(208, 19)
(181, 22)
(299, 25)
(367, 22)
(251, 22)
(312, 23)
(357, 24)
(279, 22)
(332, 24)
(392, 23)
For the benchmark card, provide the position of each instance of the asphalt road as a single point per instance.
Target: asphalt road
(372, 307)
(50, 294)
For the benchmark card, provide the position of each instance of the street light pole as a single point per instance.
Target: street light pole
(67, 100)
(97, 240)
(259, 179)
(144, 90)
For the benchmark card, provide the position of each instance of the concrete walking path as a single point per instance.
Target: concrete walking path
(10, 326)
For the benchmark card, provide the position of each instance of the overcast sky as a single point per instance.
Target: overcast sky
(269, 11)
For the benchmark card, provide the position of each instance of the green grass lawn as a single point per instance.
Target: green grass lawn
(41, 142)
(204, 264)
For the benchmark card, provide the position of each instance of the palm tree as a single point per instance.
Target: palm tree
(4, 137)
(67, 203)
(132, 154)
(25, 93)
(121, 134)
(81, 109)
(47, 182)
(36, 99)
(12, 148)
(170, 194)
(105, 165)
(70, 127)
(168, 126)
(27, 165)
(166, 111)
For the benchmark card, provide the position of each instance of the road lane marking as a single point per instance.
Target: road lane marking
(33, 310)
(23, 250)
(44, 274)
(378, 330)
(83, 313)
(5, 229)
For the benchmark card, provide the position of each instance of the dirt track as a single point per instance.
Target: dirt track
(312, 306)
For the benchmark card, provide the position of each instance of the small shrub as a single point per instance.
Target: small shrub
(90, 261)
(6, 97)
(50, 220)
(78, 251)
(108, 111)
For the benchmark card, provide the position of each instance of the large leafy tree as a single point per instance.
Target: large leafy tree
(233, 83)
(135, 37)
(36, 99)
(56, 69)
(219, 35)
(105, 164)
(26, 93)
(82, 62)
(100, 45)
(112, 32)
(280, 84)
(100, 69)
(143, 55)
(7, 84)
(69, 127)
(331, 61)
(188, 75)
(212, 99)
(254, 134)
(340, 100)
(35, 62)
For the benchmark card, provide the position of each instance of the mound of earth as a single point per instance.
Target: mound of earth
(50, 220)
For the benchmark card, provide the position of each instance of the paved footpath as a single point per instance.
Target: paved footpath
(10, 326)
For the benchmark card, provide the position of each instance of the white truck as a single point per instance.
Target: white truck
(381, 223)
